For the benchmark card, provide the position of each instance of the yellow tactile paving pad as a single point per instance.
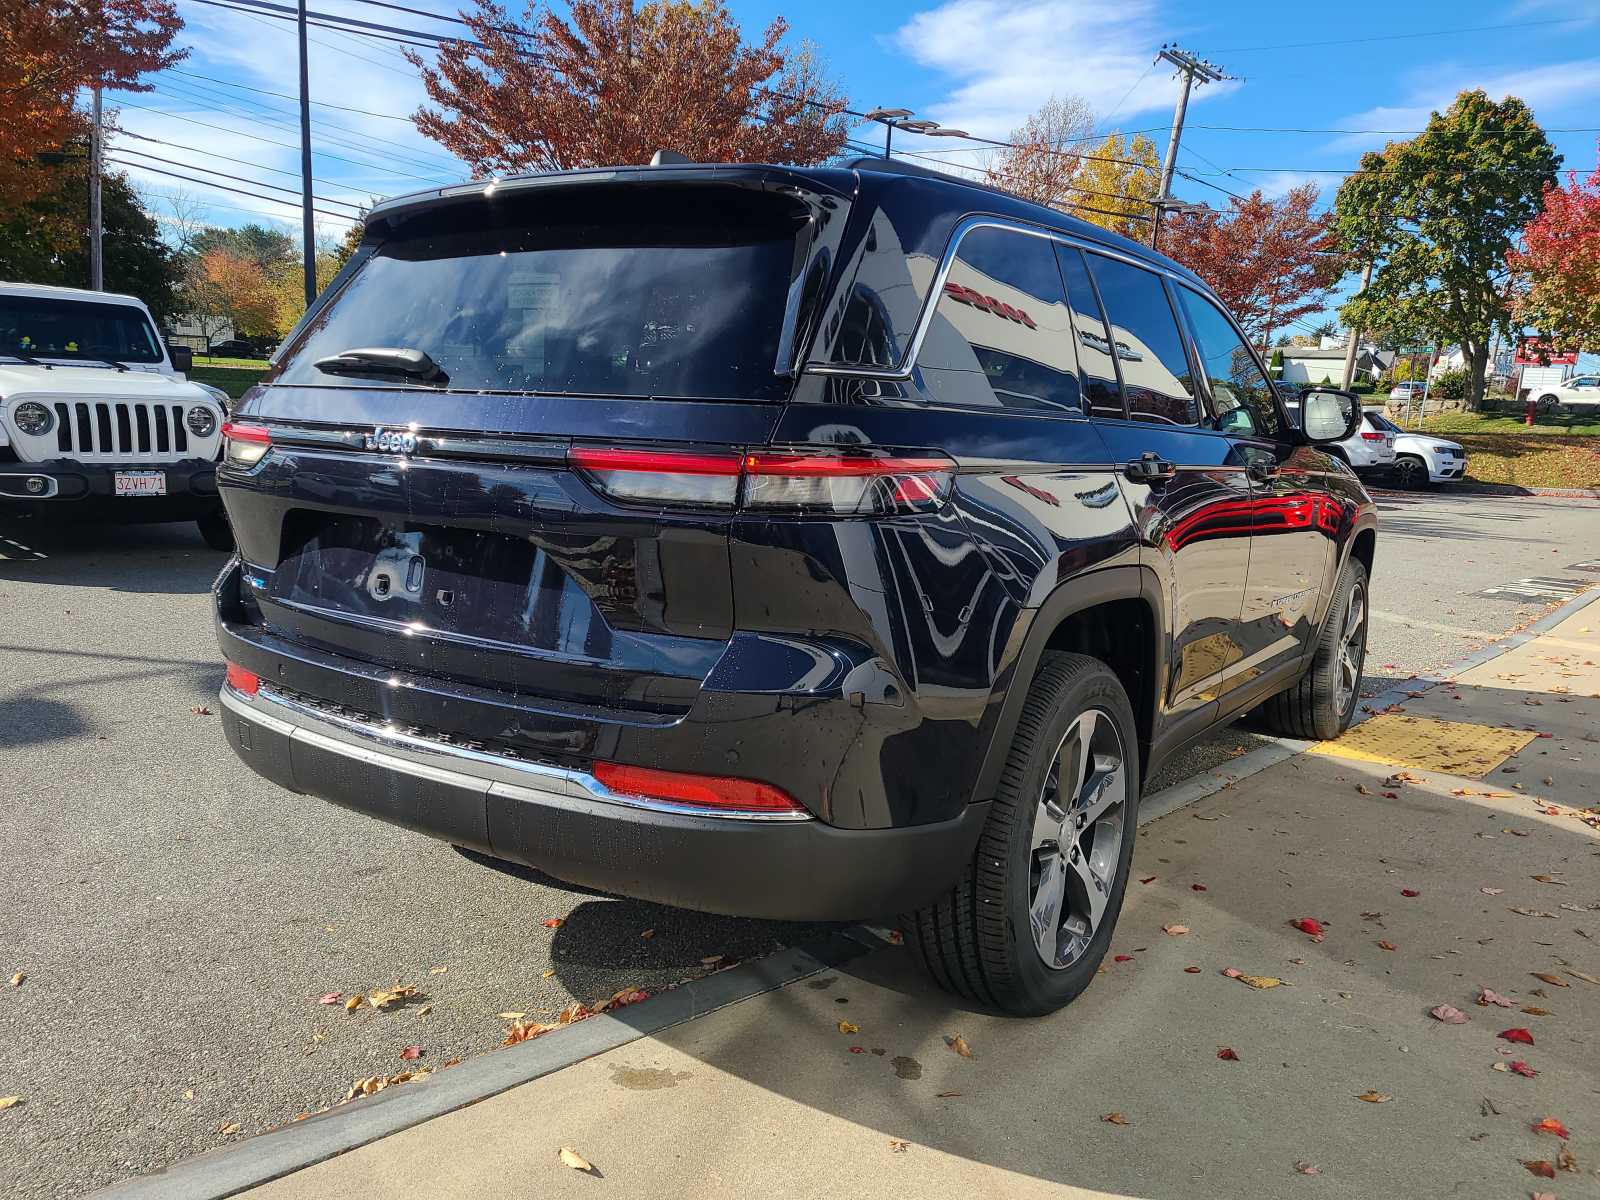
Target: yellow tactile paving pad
(1452, 747)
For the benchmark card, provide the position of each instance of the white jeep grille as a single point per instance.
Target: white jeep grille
(92, 429)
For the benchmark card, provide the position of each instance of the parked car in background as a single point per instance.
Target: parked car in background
(1419, 458)
(805, 543)
(232, 348)
(97, 421)
(1411, 390)
(1369, 450)
(1580, 394)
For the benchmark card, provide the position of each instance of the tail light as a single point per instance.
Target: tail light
(1371, 437)
(714, 793)
(240, 680)
(245, 445)
(775, 481)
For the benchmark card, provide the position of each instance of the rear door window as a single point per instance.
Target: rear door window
(1149, 349)
(1094, 340)
(636, 292)
(1001, 327)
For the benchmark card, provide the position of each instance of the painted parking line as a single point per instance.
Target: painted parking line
(14, 549)
(1591, 565)
(1538, 587)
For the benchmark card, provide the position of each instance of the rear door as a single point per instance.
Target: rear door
(549, 513)
(1186, 484)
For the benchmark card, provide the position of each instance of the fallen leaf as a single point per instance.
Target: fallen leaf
(1409, 892)
(947, 1095)
(1305, 1168)
(1122, 958)
(230, 1128)
(200, 710)
(1552, 1126)
(1149, 879)
(547, 973)
(1530, 912)
(1174, 930)
(437, 970)
(1448, 1014)
(1493, 891)
(330, 998)
(424, 1010)
(959, 1045)
(847, 1027)
(1566, 1160)
(1226, 1054)
(1375, 1097)
(1487, 997)
(712, 960)
(1384, 944)
(896, 1146)
(1583, 975)
(1115, 1118)
(1197, 887)
(1521, 1068)
(1363, 789)
(1310, 927)
(1255, 981)
(1521, 1036)
(511, 1016)
(10, 1101)
(858, 1049)
(352, 1004)
(1191, 970)
(1534, 1012)
(1540, 1167)
(16, 980)
(647, 934)
(1548, 879)
(571, 1158)
(411, 1052)
(1551, 979)
(553, 923)
(385, 997)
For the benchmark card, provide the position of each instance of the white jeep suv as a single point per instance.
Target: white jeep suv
(96, 419)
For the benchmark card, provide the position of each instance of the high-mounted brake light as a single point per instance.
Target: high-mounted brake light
(245, 445)
(779, 480)
(240, 680)
(714, 793)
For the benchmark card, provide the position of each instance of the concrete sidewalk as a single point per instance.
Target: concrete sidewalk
(769, 1096)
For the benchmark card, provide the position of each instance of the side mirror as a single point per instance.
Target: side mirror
(1328, 415)
(182, 358)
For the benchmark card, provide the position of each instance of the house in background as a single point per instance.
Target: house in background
(197, 332)
(1309, 367)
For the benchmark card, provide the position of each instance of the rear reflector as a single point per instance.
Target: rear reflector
(714, 793)
(844, 484)
(240, 680)
(245, 445)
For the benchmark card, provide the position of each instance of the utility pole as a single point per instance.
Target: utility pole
(307, 217)
(97, 271)
(1194, 70)
(1355, 333)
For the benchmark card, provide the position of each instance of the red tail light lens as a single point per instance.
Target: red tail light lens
(1371, 437)
(714, 793)
(245, 445)
(240, 680)
(773, 481)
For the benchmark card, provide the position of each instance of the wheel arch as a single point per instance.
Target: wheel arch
(1115, 614)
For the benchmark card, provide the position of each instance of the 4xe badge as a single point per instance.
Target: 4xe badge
(391, 441)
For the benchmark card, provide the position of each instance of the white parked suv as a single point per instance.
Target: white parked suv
(96, 418)
(1581, 393)
(1419, 458)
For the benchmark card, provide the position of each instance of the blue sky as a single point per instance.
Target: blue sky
(980, 65)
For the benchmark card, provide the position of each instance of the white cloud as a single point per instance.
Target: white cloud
(1004, 60)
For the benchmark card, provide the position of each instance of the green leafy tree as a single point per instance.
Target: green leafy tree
(1437, 216)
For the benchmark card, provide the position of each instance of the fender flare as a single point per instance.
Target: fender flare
(1010, 692)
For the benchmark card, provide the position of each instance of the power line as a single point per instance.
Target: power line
(237, 191)
(235, 178)
(333, 21)
(1400, 37)
(1475, 132)
(365, 112)
(243, 162)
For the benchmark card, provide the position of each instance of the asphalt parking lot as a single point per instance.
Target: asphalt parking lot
(177, 919)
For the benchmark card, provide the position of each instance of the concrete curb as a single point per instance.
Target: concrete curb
(230, 1170)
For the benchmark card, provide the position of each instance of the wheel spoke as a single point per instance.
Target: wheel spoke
(1044, 913)
(1096, 892)
(1354, 615)
(1074, 758)
(1103, 793)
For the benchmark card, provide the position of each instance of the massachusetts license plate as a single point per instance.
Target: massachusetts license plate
(140, 483)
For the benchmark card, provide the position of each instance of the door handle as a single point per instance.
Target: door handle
(1149, 467)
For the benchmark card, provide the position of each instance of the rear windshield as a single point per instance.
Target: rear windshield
(40, 327)
(636, 291)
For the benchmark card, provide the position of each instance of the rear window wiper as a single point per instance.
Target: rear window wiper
(384, 360)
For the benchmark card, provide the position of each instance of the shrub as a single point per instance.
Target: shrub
(1449, 385)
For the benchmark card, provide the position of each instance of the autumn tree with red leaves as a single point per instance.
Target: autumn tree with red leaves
(1268, 260)
(1558, 268)
(49, 51)
(611, 85)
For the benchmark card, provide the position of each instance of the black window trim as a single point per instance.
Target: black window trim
(1105, 323)
(906, 368)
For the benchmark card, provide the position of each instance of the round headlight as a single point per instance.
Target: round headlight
(202, 422)
(32, 418)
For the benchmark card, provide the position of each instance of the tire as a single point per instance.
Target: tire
(216, 531)
(979, 940)
(1410, 473)
(1316, 707)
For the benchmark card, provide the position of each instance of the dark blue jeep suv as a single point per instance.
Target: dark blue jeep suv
(796, 543)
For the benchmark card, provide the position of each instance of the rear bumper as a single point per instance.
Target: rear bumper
(563, 821)
(87, 491)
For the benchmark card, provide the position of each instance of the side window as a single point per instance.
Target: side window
(1094, 342)
(1240, 393)
(1002, 320)
(1155, 368)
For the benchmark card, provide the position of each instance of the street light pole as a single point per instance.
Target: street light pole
(1355, 333)
(1194, 70)
(308, 230)
(97, 269)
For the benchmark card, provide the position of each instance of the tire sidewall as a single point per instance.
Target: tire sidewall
(1097, 688)
(1353, 576)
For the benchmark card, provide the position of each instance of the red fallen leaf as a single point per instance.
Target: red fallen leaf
(1409, 892)
(1516, 1035)
(1197, 887)
(1522, 1068)
(858, 1049)
(1231, 972)
(1387, 667)
(1149, 879)
(411, 1052)
(1540, 1167)
(1549, 735)
(1122, 958)
(1308, 926)
(552, 922)
(1386, 944)
(1226, 1054)
(1390, 795)
(1191, 970)
(1487, 997)
(1551, 1125)
(1448, 1014)
(330, 998)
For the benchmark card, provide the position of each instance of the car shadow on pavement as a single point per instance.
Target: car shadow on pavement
(117, 557)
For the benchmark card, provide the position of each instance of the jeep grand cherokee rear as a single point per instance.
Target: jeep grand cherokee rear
(750, 539)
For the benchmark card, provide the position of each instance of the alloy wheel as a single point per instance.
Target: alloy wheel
(1352, 646)
(1076, 849)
